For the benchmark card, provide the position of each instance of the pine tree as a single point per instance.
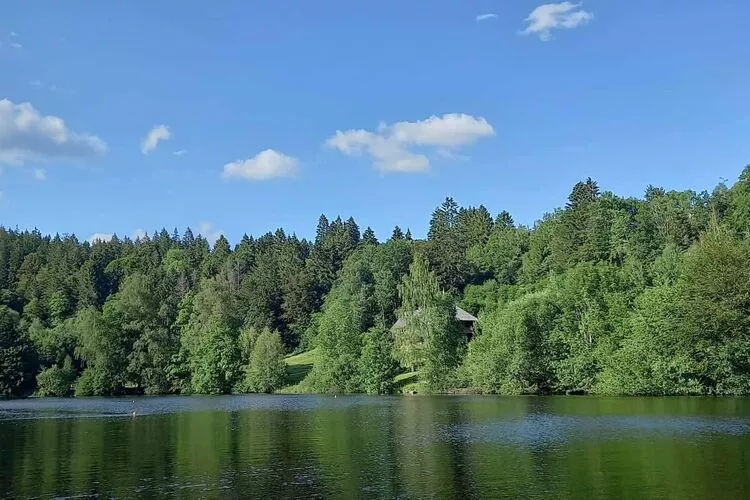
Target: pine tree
(322, 230)
(368, 237)
(504, 220)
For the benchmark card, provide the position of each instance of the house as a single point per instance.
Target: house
(466, 320)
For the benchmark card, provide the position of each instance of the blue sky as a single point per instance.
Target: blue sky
(509, 111)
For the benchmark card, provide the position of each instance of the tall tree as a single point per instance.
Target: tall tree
(446, 250)
(15, 354)
(427, 337)
(267, 369)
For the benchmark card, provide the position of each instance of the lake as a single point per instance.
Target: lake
(376, 447)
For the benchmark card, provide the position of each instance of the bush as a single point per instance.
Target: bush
(96, 382)
(56, 381)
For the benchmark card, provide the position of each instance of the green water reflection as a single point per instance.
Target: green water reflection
(409, 447)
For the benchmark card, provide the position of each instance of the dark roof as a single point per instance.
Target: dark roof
(461, 315)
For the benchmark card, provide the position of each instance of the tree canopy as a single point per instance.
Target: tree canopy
(606, 294)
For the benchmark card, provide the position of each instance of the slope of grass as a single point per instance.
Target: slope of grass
(297, 368)
(299, 365)
(407, 383)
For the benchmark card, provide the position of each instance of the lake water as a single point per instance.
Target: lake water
(376, 447)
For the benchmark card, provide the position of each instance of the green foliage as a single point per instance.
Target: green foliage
(210, 339)
(267, 369)
(14, 355)
(56, 381)
(592, 303)
(349, 310)
(446, 246)
(103, 353)
(655, 356)
(428, 337)
(606, 294)
(377, 366)
(513, 354)
(502, 255)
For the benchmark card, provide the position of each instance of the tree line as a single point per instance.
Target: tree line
(608, 295)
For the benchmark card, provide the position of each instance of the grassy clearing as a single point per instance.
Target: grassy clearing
(298, 366)
(407, 382)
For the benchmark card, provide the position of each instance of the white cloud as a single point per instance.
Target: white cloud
(156, 134)
(40, 174)
(99, 237)
(389, 145)
(448, 131)
(209, 232)
(180, 152)
(486, 17)
(26, 135)
(265, 165)
(138, 234)
(564, 15)
(15, 45)
(389, 154)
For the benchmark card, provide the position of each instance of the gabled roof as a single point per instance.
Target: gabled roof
(461, 315)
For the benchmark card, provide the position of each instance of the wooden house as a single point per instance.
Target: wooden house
(467, 321)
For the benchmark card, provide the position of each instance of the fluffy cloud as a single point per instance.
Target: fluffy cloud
(389, 145)
(265, 165)
(564, 15)
(389, 154)
(486, 17)
(26, 135)
(99, 237)
(156, 134)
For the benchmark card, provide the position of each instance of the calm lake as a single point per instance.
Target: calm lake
(376, 447)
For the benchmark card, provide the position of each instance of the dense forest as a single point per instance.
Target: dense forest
(607, 295)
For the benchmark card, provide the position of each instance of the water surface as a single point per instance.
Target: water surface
(376, 447)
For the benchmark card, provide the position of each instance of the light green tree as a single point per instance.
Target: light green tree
(267, 369)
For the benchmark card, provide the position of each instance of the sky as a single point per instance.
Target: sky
(240, 117)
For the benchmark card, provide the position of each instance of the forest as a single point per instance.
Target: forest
(606, 295)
